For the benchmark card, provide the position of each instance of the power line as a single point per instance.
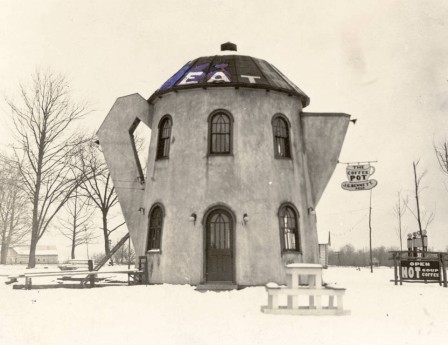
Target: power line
(347, 211)
(351, 228)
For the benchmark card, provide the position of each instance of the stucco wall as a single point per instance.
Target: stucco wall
(250, 181)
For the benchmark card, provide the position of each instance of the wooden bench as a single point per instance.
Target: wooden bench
(314, 296)
(87, 274)
(74, 264)
(14, 278)
(79, 262)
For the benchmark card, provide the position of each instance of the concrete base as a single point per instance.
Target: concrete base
(304, 311)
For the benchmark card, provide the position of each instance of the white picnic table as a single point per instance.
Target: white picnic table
(297, 274)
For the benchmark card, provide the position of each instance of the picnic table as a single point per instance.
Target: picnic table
(88, 281)
(304, 279)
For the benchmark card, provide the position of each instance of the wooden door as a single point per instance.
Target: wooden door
(219, 246)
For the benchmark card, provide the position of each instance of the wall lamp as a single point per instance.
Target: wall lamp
(245, 218)
(192, 218)
(311, 210)
(142, 210)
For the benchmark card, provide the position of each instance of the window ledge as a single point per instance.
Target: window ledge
(283, 158)
(220, 154)
(153, 251)
(291, 251)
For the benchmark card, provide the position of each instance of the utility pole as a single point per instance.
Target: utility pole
(338, 254)
(370, 231)
(358, 180)
(129, 253)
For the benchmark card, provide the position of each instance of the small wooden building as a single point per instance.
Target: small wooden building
(324, 240)
(45, 254)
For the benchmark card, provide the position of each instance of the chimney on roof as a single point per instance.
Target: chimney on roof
(228, 46)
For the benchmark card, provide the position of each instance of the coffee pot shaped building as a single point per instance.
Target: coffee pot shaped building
(234, 173)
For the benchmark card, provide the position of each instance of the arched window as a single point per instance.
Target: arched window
(163, 144)
(281, 137)
(155, 227)
(220, 230)
(220, 133)
(289, 228)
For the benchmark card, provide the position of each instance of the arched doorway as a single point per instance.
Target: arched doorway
(219, 239)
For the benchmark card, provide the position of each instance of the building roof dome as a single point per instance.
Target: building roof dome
(230, 71)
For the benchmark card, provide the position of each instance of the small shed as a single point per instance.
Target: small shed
(324, 240)
(45, 254)
(10, 256)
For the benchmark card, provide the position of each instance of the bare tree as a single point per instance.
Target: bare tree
(99, 188)
(442, 156)
(45, 148)
(124, 255)
(14, 212)
(425, 218)
(76, 224)
(399, 210)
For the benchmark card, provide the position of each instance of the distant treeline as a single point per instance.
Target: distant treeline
(349, 256)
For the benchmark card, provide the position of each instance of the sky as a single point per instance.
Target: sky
(383, 62)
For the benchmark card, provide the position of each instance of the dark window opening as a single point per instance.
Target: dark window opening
(289, 231)
(155, 228)
(220, 134)
(163, 144)
(281, 138)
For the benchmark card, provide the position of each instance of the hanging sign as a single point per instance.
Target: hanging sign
(358, 177)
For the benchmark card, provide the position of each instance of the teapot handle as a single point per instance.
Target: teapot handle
(117, 143)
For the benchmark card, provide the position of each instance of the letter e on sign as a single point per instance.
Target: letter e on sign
(191, 78)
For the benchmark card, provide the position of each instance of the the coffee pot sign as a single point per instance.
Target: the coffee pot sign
(358, 177)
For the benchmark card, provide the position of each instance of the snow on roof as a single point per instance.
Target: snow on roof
(40, 250)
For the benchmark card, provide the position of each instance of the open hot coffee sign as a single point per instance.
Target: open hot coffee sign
(420, 270)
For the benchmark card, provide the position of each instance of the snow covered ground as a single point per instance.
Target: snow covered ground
(381, 313)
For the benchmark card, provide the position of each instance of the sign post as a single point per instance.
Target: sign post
(358, 179)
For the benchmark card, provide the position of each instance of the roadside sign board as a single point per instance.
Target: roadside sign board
(420, 270)
(358, 177)
(360, 185)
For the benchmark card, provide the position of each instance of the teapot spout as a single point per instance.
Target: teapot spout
(323, 135)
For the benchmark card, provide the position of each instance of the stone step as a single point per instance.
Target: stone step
(216, 287)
